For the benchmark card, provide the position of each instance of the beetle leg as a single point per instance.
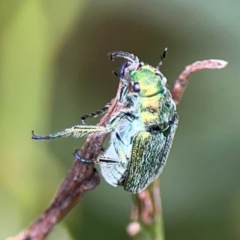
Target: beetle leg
(105, 159)
(95, 114)
(128, 56)
(99, 160)
(85, 130)
(109, 160)
(76, 131)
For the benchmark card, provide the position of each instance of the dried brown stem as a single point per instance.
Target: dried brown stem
(147, 217)
(182, 80)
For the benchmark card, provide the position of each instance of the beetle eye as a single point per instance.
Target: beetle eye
(136, 87)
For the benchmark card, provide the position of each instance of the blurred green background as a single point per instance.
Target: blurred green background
(54, 69)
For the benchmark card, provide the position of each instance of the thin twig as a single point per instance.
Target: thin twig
(182, 80)
(147, 218)
(147, 213)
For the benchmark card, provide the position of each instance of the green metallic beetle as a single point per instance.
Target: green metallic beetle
(141, 133)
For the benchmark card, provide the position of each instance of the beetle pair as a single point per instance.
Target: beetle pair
(141, 133)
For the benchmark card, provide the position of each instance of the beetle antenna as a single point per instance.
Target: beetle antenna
(163, 56)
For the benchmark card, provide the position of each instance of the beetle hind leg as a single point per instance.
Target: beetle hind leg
(76, 131)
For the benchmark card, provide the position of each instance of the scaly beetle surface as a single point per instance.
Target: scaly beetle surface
(141, 133)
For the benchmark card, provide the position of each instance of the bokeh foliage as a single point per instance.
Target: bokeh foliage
(53, 69)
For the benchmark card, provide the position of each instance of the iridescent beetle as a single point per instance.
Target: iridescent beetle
(141, 133)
